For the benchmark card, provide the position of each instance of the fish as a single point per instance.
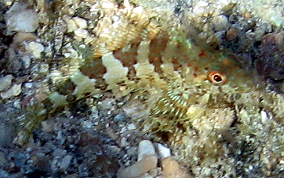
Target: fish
(182, 80)
(197, 99)
(137, 52)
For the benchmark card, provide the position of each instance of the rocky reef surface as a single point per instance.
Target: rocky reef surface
(134, 88)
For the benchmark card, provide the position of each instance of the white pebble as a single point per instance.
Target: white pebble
(36, 49)
(80, 22)
(5, 82)
(264, 117)
(124, 142)
(67, 55)
(28, 85)
(145, 148)
(71, 25)
(87, 124)
(82, 33)
(131, 127)
(220, 22)
(164, 151)
(107, 103)
(17, 104)
(107, 5)
(14, 91)
(21, 19)
(200, 7)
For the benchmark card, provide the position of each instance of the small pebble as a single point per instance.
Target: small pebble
(36, 49)
(65, 162)
(132, 151)
(131, 127)
(87, 124)
(107, 103)
(123, 142)
(264, 117)
(145, 148)
(26, 61)
(80, 22)
(171, 169)
(5, 82)
(109, 5)
(21, 19)
(28, 85)
(18, 103)
(14, 91)
(119, 118)
(71, 25)
(200, 7)
(220, 22)
(82, 33)
(146, 164)
(164, 152)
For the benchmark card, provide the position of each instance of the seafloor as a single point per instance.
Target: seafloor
(75, 99)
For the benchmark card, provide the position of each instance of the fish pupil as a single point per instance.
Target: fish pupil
(217, 78)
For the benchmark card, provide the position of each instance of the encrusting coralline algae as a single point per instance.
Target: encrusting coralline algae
(216, 115)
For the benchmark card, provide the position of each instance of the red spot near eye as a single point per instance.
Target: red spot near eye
(202, 54)
(189, 64)
(175, 61)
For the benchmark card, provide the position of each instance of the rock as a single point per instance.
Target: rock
(146, 164)
(119, 118)
(71, 25)
(36, 49)
(171, 169)
(124, 142)
(131, 127)
(5, 82)
(82, 33)
(26, 61)
(145, 148)
(264, 117)
(65, 162)
(147, 160)
(200, 7)
(21, 19)
(87, 124)
(80, 22)
(14, 91)
(220, 22)
(164, 152)
(270, 60)
(107, 103)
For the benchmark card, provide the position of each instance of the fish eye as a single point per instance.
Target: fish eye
(217, 77)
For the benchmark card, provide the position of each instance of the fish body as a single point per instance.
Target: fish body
(137, 51)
